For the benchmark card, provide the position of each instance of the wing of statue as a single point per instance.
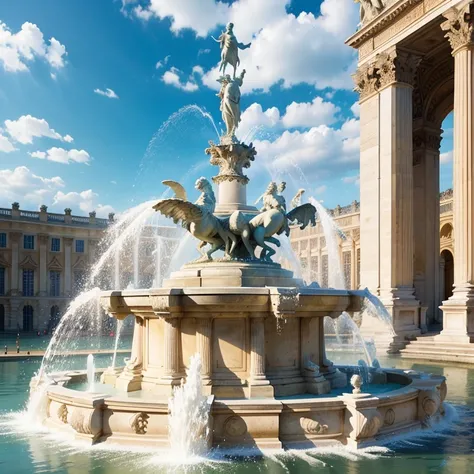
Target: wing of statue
(179, 210)
(179, 191)
(303, 215)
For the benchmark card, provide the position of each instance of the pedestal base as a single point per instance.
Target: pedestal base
(129, 381)
(110, 376)
(458, 319)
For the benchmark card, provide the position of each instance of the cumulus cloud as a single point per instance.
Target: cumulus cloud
(446, 157)
(297, 115)
(355, 109)
(22, 185)
(107, 93)
(60, 155)
(6, 146)
(30, 190)
(162, 62)
(172, 77)
(87, 201)
(28, 44)
(28, 127)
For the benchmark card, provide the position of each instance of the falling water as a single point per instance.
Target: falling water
(372, 307)
(90, 373)
(189, 415)
(331, 231)
(117, 337)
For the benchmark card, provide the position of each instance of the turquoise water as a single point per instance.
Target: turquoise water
(24, 451)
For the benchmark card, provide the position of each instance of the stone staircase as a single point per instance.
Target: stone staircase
(427, 348)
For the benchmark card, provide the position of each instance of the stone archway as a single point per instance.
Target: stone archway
(446, 274)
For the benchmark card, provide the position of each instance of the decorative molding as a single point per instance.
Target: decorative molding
(62, 413)
(235, 426)
(459, 27)
(28, 263)
(55, 264)
(80, 264)
(139, 423)
(312, 427)
(366, 81)
(389, 418)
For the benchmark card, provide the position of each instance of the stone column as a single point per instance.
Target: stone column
(171, 350)
(130, 379)
(43, 270)
(458, 311)
(386, 214)
(426, 143)
(15, 238)
(259, 384)
(204, 348)
(67, 266)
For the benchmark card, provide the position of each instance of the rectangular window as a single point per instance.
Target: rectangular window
(54, 279)
(29, 242)
(79, 281)
(55, 244)
(347, 267)
(79, 246)
(28, 282)
(3, 240)
(324, 271)
(2, 281)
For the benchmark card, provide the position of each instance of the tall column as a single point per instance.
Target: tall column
(204, 348)
(130, 379)
(426, 143)
(14, 284)
(458, 311)
(171, 349)
(387, 187)
(67, 265)
(259, 384)
(43, 272)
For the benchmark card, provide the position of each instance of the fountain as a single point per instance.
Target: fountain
(261, 377)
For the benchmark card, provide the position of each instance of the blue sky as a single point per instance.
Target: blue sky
(87, 89)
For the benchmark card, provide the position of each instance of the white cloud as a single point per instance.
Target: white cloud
(30, 190)
(172, 78)
(68, 138)
(446, 157)
(23, 186)
(27, 127)
(163, 62)
(355, 109)
(60, 155)
(198, 70)
(87, 201)
(6, 146)
(16, 49)
(107, 93)
(352, 179)
(204, 51)
(297, 115)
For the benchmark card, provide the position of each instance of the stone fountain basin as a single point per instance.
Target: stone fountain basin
(286, 422)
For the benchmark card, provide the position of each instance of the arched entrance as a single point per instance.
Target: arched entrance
(27, 318)
(2, 317)
(447, 274)
(54, 317)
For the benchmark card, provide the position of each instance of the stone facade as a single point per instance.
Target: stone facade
(44, 258)
(310, 247)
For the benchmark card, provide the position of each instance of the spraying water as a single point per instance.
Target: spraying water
(90, 373)
(117, 337)
(189, 415)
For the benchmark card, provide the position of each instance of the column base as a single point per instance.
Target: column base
(458, 318)
(261, 388)
(318, 385)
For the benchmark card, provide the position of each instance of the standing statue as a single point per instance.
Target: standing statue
(369, 9)
(230, 48)
(230, 103)
(296, 201)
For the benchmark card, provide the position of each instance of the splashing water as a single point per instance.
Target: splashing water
(117, 337)
(331, 231)
(90, 373)
(189, 415)
(374, 308)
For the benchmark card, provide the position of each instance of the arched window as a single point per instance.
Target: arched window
(2, 317)
(27, 318)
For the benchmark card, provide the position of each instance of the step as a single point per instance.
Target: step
(442, 347)
(436, 356)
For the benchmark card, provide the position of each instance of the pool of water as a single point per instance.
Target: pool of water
(450, 449)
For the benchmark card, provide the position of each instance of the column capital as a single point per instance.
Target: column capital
(459, 27)
(396, 66)
(68, 240)
(366, 81)
(426, 139)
